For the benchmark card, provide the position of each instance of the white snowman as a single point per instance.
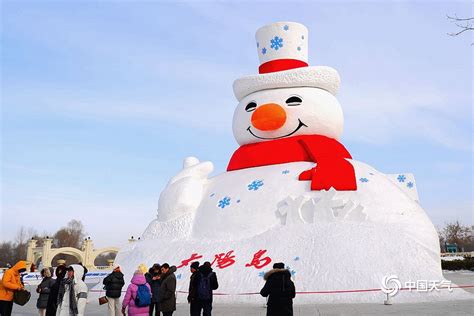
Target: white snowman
(292, 191)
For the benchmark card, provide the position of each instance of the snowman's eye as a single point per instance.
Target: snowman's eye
(293, 101)
(251, 106)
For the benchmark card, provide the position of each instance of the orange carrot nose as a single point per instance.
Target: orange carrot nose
(269, 117)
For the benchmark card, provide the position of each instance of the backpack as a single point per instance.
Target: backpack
(204, 291)
(143, 298)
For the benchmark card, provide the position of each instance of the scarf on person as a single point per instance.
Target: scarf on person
(68, 285)
(332, 169)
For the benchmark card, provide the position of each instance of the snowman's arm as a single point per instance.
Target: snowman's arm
(184, 192)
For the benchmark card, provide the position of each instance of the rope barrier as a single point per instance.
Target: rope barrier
(326, 292)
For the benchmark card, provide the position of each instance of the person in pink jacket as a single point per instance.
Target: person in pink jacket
(129, 299)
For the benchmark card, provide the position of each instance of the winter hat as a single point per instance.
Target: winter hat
(142, 267)
(195, 265)
(279, 265)
(283, 54)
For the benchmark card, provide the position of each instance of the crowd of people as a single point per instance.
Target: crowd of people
(150, 292)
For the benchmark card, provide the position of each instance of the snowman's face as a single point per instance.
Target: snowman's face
(278, 113)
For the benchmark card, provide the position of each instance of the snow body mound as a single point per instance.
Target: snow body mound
(337, 244)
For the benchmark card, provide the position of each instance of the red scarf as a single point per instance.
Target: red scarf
(332, 170)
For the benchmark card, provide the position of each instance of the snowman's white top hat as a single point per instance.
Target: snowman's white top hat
(283, 53)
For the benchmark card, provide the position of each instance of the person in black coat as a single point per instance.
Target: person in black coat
(204, 283)
(113, 284)
(280, 291)
(192, 287)
(153, 278)
(53, 294)
(43, 289)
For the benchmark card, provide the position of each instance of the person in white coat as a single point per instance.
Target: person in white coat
(72, 296)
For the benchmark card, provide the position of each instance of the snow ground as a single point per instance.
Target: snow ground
(453, 307)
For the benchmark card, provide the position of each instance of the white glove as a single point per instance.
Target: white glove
(183, 194)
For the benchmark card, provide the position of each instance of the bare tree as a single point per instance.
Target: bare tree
(71, 235)
(464, 24)
(455, 233)
(6, 254)
(20, 244)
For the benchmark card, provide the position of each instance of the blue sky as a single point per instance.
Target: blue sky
(102, 100)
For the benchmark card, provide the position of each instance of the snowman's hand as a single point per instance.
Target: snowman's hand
(184, 192)
(194, 169)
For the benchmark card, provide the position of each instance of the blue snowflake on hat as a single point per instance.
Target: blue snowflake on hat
(277, 43)
(283, 58)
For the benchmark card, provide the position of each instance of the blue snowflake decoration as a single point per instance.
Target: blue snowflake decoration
(276, 42)
(401, 178)
(261, 274)
(410, 185)
(285, 172)
(296, 259)
(264, 51)
(225, 201)
(364, 180)
(293, 272)
(178, 276)
(255, 185)
(286, 27)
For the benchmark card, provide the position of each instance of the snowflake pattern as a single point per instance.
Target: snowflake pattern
(255, 185)
(364, 180)
(293, 272)
(264, 51)
(401, 178)
(225, 201)
(285, 172)
(410, 185)
(261, 274)
(277, 43)
(179, 276)
(286, 27)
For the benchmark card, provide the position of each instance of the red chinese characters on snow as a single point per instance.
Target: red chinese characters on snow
(224, 260)
(185, 262)
(259, 262)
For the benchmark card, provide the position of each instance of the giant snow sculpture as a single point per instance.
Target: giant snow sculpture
(292, 193)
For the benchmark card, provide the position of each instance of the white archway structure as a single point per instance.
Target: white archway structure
(86, 255)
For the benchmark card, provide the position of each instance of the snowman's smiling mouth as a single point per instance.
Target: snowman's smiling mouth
(300, 125)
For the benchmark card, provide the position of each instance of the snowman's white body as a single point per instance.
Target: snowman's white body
(245, 203)
(331, 240)
(336, 243)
